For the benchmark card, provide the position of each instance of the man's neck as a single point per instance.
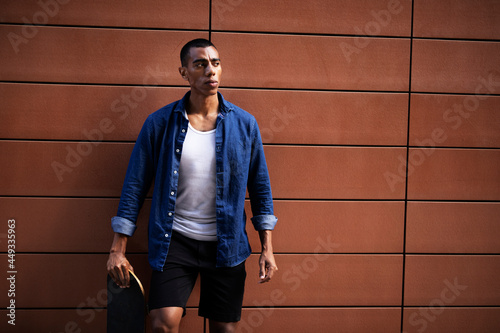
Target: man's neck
(202, 112)
(202, 105)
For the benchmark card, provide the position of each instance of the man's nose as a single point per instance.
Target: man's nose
(210, 70)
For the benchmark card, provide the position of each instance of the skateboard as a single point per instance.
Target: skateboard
(126, 307)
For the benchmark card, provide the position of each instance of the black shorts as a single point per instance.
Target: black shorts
(221, 294)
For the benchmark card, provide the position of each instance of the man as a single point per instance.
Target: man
(203, 153)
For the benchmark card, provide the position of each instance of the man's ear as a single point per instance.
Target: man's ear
(182, 71)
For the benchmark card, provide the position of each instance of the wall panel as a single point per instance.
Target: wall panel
(98, 169)
(104, 56)
(313, 62)
(312, 117)
(328, 280)
(436, 320)
(453, 227)
(35, 168)
(358, 282)
(60, 273)
(382, 320)
(455, 280)
(79, 112)
(457, 19)
(333, 172)
(146, 14)
(455, 66)
(455, 121)
(84, 320)
(84, 222)
(454, 174)
(360, 17)
(87, 320)
(339, 227)
(335, 227)
(75, 112)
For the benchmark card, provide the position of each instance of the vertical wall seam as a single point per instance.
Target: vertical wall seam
(210, 20)
(406, 171)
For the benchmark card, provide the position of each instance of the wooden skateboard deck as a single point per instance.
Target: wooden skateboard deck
(126, 311)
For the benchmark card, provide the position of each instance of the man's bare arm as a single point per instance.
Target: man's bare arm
(267, 264)
(118, 265)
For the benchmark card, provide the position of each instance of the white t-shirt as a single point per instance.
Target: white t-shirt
(195, 204)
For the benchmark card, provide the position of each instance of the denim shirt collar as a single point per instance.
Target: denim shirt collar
(224, 106)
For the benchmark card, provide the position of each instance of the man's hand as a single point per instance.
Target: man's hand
(118, 267)
(267, 264)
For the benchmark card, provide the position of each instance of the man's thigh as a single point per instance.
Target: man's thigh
(172, 286)
(221, 294)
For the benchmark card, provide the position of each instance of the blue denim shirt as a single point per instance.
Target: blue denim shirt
(240, 165)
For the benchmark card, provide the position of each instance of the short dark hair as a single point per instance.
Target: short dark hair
(199, 42)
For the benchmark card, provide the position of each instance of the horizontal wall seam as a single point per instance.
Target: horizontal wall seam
(289, 307)
(379, 254)
(187, 87)
(55, 197)
(103, 27)
(284, 145)
(252, 32)
(400, 92)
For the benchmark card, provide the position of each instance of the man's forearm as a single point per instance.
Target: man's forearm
(119, 244)
(267, 264)
(266, 240)
(118, 265)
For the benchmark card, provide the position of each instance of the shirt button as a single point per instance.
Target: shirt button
(183, 130)
(166, 235)
(170, 214)
(175, 172)
(172, 193)
(177, 150)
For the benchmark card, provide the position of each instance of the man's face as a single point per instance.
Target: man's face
(203, 70)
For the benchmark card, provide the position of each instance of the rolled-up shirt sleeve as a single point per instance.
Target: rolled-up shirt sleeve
(123, 226)
(264, 222)
(259, 186)
(138, 179)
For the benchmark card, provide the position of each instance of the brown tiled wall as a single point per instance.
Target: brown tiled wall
(347, 94)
